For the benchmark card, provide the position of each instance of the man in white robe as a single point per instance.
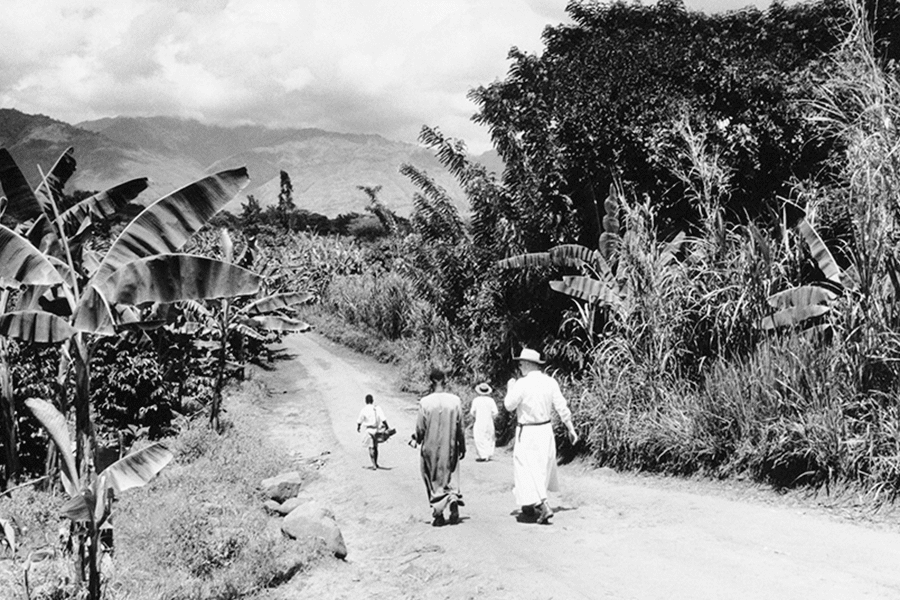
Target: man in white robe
(484, 410)
(533, 397)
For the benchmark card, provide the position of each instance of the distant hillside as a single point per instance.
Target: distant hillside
(325, 167)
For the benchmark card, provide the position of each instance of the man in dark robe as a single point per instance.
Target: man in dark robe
(441, 438)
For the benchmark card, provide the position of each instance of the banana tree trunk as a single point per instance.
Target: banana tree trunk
(51, 467)
(86, 443)
(7, 420)
(220, 368)
(94, 564)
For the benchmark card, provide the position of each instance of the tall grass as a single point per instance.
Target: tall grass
(382, 314)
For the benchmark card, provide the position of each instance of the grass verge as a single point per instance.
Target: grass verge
(197, 532)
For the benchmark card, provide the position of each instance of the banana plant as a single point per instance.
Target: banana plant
(21, 266)
(801, 306)
(604, 281)
(253, 320)
(142, 266)
(598, 284)
(90, 499)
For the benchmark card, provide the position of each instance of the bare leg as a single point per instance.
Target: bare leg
(373, 454)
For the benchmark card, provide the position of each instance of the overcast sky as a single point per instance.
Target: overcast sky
(358, 66)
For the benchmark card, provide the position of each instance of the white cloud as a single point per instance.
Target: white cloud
(367, 66)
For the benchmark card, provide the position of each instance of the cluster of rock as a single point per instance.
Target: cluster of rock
(304, 518)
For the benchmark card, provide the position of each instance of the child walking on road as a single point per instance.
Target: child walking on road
(374, 426)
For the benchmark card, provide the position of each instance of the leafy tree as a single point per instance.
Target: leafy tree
(385, 216)
(286, 209)
(603, 99)
(251, 215)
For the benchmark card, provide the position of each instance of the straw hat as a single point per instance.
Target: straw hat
(530, 355)
(483, 389)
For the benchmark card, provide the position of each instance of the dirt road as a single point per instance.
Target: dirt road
(613, 536)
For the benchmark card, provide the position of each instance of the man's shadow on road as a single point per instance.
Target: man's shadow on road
(531, 518)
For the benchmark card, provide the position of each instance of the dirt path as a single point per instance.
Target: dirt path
(612, 536)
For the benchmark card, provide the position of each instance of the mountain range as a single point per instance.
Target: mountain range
(325, 167)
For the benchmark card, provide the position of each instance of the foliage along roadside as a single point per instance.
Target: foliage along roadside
(758, 345)
(197, 527)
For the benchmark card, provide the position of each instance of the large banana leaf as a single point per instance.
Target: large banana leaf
(33, 326)
(22, 204)
(820, 252)
(136, 469)
(804, 295)
(588, 289)
(43, 237)
(280, 323)
(55, 424)
(573, 255)
(669, 251)
(246, 330)
(565, 255)
(175, 277)
(521, 261)
(105, 205)
(66, 272)
(49, 193)
(93, 314)
(23, 264)
(80, 507)
(165, 226)
(276, 302)
(793, 316)
(133, 470)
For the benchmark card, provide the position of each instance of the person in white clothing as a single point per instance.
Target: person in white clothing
(484, 409)
(372, 423)
(533, 397)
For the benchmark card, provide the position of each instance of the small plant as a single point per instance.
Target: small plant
(90, 504)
